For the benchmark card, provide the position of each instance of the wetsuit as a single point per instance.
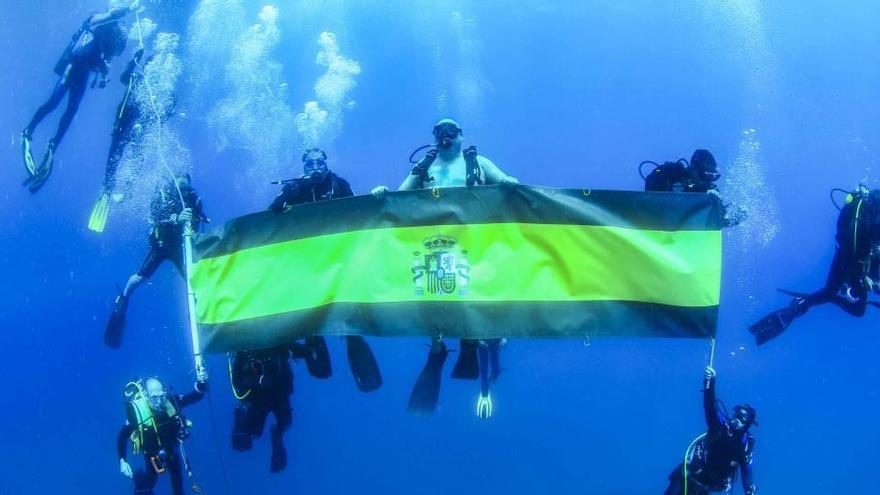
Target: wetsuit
(165, 235)
(489, 352)
(305, 190)
(91, 50)
(674, 176)
(855, 257)
(171, 430)
(717, 456)
(263, 382)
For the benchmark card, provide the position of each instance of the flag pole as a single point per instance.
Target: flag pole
(712, 352)
(198, 358)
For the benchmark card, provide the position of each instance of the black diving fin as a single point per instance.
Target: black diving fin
(116, 324)
(318, 357)
(467, 366)
(774, 324)
(426, 392)
(363, 364)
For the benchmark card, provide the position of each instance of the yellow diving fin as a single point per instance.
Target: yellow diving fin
(98, 220)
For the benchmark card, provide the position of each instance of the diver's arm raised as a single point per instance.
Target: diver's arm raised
(113, 15)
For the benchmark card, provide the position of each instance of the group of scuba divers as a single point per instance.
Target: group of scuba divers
(262, 379)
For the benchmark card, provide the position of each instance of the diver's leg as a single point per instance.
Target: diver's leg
(118, 141)
(145, 480)
(46, 108)
(244, 427)
(495, 358)
(283, 419)
(77, 89)
(174, 466)
(151, 263)
(483, 355)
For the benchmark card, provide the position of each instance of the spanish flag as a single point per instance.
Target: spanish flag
(470, 262)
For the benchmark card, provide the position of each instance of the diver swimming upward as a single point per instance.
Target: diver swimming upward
(101, 38)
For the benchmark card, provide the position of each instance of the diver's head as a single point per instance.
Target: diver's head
(156, 394)
(704, 166)
(315, 164)
(447, 133)
(111, 38)
(743, 417)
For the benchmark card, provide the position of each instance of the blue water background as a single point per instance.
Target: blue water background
(571, 94)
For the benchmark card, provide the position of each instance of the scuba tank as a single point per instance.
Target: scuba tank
(67, 55)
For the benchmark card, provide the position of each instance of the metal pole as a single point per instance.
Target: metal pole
(201, 369)
(712, 353)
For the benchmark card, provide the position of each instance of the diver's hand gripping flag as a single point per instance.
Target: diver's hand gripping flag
(478, 262)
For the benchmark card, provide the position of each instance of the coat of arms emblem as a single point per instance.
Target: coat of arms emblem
(442, 268)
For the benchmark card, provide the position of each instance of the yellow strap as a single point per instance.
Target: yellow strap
(232, 382)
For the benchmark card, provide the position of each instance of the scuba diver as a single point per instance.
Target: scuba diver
(168, 218)
(446, 165)
(319, 183)
(854, 273)
(712, 459)
(128, 126)
(101, 38)
(699, 175)
(157, 429)
(262, 381)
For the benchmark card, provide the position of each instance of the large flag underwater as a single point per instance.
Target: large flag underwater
(477, 262)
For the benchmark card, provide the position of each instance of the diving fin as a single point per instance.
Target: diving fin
(467, 366)
(41, 175)
(363, 364)
(98, 219)
(772, 325)
(426, 391)
(484, 406)
(28, 156)
(318, 357)
(116, 324)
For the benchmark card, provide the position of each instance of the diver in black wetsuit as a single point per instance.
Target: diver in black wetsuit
(127, 115)
(854, 273)
(699, 175)
(262, 381)
(167, 220)
(157, 428)
(318, 183)
(101, 38)
(715, 457)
